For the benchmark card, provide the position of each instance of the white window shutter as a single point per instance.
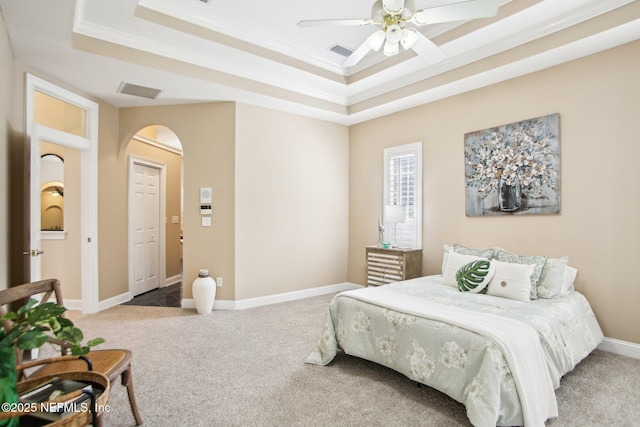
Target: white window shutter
(403, 186)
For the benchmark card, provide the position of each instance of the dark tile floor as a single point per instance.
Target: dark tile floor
(169, 296)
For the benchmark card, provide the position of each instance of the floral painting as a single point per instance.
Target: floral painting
(514, 169)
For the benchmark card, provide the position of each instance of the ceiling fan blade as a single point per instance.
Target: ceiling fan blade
(427, 49)
(334, 22)
(462, 11)
(357, 55)
(393, 7)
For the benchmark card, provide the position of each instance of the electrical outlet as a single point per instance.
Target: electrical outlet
(218, 281)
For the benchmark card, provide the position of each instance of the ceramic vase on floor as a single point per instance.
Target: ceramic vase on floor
(204, 292)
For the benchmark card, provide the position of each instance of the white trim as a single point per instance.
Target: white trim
(73, 304)
(157, 144)
(623, 348)
(172, 280)
(88, 178)
(53, 235)
(136, 160)
(188, 303)
(113, 301)
(276, 298)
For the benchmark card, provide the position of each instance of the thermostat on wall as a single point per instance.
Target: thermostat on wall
(205, 210)
(205, 195)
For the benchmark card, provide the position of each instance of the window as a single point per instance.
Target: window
(403, 187)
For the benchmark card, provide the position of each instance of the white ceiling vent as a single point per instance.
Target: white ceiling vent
(135, 90)
(341, 50)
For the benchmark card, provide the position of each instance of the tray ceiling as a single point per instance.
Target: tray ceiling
(253, 51)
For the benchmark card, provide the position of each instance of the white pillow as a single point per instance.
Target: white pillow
(537, 261)
(511, 281)
(445, 257)
(567, 284)
(552, 277)
(454, 262)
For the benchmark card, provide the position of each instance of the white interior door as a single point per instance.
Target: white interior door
(146, 231)
(35, 215)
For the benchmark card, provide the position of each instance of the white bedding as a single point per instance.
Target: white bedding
(472, 362)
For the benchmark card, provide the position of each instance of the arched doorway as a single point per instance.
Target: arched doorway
(154, 157)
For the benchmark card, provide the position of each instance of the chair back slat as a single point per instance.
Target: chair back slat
(19, 295)
(27, 290)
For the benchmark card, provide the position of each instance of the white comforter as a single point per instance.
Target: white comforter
(460, 344)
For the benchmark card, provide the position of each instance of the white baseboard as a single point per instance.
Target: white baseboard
(113, 301)
(274, 299)
(623, 348)
(76, 304)
(173, 280)
(73, 304)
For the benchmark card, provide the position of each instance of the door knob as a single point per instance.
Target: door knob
(36, 252)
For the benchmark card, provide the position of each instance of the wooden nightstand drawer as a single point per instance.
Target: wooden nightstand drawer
(392, 265)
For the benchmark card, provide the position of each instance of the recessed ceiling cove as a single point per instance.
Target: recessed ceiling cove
(257, 53)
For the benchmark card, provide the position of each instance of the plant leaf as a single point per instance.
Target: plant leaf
(70, 333)
(32, 339)
(473, 275)
(94, 342)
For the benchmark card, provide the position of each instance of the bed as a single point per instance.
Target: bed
(462, 343)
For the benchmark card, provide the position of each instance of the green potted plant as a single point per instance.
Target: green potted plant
(30, 327)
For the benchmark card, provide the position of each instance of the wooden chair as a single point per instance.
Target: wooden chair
(113, 363)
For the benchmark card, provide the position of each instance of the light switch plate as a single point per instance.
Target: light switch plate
(175, 219)
(206, 221)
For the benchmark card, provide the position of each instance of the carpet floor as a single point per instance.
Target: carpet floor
(246, 368)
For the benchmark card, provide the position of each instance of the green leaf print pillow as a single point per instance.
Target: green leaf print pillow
(475, 276)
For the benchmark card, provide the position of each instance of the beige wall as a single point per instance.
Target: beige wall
(173, 163)
(292, 197)
(6, 89)
(113, 272)
(207, 133)
(598, 229)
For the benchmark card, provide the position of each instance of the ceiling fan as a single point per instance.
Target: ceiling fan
(397, 19)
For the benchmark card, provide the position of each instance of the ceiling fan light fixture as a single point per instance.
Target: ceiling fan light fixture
(409, 9)
(409, 38)
(376, 40)
(394, 34)
(391, 49)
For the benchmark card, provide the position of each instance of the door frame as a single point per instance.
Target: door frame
(162, 235)
(88, 175)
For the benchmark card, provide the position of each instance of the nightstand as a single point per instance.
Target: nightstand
(392, 265)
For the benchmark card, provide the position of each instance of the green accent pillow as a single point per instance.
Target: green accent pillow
(475, 276)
